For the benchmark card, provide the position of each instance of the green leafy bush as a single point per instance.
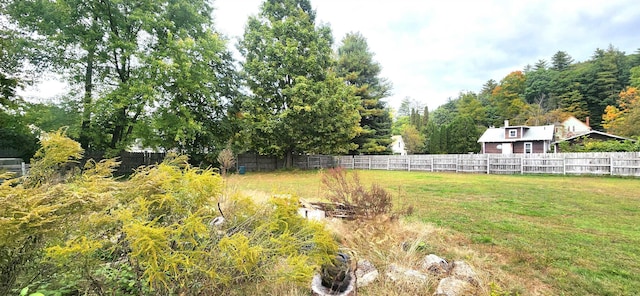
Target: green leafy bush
(590, 145)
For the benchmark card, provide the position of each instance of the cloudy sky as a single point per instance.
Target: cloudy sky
(432, 50)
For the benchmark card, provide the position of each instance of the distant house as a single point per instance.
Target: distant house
(517, 139)
(571, 127)
(591, 134)
(397, 147)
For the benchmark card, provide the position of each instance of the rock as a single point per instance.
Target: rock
(461, 270)
(317, 289)
(435, 264)
(365, 273)
(402, 274)
(451, 286)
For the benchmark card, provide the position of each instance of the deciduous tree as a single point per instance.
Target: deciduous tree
(625, 120)
(296, 104)
(130, 58)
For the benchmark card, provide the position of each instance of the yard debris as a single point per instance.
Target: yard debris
(337, 210)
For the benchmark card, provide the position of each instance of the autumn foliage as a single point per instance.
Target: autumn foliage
(624, 120)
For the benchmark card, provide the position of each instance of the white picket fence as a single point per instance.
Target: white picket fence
(604, 163)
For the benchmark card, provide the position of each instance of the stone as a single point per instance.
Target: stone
(435, 264)
(366, 273)
(451, 286)
(461, 270)
(402, 274)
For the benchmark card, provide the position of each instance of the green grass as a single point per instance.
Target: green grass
(574, 235)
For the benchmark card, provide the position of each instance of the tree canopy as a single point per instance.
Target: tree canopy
(150, 69)
(297, 103)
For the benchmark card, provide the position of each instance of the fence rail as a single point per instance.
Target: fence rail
(604, 163)
(13, 165)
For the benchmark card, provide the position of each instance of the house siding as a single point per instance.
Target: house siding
(518, 147)
(492, 148)
(518, 133)
(537, 146)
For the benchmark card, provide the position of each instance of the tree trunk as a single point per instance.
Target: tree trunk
(288, 159)
(119, 128)
(86, 101)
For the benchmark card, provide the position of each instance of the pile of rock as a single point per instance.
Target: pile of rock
(454, 278)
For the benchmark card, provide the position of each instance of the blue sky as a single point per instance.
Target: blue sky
(432, 50)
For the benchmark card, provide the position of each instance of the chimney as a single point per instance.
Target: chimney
(587, 123)
(506, 123)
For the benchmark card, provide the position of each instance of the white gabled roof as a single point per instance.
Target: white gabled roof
(531, 133)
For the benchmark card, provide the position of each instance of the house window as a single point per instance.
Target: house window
(528, 147)
(513, 133)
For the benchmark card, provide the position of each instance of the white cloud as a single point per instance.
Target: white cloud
(432, 50)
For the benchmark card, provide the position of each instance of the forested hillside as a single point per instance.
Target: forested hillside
(603, 89)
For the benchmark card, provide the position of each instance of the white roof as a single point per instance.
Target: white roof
(531, 133)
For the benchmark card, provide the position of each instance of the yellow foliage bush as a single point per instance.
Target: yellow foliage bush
(154, 233)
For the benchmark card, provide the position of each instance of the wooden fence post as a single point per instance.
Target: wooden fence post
(611, 165)
(408, 163)
(488, 165)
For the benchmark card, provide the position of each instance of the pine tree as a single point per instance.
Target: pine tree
(356, 65)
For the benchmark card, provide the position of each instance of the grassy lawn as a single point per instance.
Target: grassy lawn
(573, 235)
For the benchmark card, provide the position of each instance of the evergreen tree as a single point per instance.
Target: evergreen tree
(356, 65)
(463, 136)
(606, 77)
(425, 117)
(561, 61)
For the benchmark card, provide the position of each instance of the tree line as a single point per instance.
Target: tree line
(603, 89)
(158, 72)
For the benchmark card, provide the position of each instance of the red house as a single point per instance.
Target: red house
(517, 139)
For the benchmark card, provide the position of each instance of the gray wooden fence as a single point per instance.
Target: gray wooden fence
(13, 165)
(253, 162)
(604, 163)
